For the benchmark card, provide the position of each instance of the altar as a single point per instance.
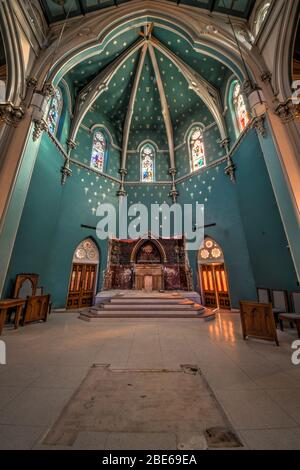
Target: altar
(148, 264)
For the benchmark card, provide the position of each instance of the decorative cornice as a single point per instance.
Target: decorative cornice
(31, 83)
(40, 125)
(11, 114)
(230, 169)
(288, 111)
(48, 90)
(71, 144)
(66, 172)
(259, 125)
(266, 76)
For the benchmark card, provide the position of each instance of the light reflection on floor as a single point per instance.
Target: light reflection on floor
(223, 327)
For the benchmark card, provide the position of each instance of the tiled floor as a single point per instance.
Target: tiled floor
(255, 382)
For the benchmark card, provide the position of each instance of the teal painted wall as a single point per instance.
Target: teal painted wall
(267, 243)
(49, 230)
(248, 225)
(212, 188)
(83, 152)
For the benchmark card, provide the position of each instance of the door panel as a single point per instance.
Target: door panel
(210, 298)
(215, 286)
(82, 285)
(222, 287)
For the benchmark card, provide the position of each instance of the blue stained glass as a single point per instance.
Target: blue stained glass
(147, 163)
(98, 151)
(54, 112)
(197, 149)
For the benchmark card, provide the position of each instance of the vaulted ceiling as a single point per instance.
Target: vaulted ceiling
(148, 117)
(56, 10)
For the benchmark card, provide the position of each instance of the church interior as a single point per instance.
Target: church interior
(178, 103)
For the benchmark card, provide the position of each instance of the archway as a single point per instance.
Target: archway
(213, 276)
(84, 272)
(148, 257)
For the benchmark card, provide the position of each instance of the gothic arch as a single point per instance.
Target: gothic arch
(155, 242)
(205, 35)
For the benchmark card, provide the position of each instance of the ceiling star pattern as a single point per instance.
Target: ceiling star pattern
(147, 120)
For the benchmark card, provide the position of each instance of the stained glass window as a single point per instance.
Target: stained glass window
(98, 151)
(55, 111)
(197, 150)
(239, 106)
(147, 163)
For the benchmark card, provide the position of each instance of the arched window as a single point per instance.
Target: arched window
(242, 117)
(147, 163)
(99, 151)
(261, 16)
(197, 150)
(55, 111)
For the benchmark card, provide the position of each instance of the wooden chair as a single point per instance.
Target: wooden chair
(295, 296)
(280, 305)
(263, 295)
(25, 286)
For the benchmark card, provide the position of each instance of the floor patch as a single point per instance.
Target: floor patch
(175, 405)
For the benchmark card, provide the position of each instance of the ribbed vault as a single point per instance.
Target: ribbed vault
(150, 84)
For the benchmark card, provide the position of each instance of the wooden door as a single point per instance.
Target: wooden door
(215, 286)
(208, 285)
(222, 287)
(82, 285)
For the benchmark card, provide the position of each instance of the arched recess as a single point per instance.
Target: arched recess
(147, 157)
(99, 152)
(84, 275)
(212, 275)
(238, 106)
(196, 146)
(154, 242)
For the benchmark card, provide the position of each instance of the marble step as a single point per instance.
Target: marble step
(140, 300)
(140, 308)
(93, 316)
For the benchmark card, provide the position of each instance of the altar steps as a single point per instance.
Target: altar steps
(147, 307)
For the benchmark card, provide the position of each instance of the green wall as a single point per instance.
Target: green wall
(248, 225)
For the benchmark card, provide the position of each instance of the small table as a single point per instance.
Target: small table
(5, 305)
(292, 317)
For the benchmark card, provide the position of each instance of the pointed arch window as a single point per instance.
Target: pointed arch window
(242, 116)
(197, 149)
(147, 163)
(55, 110)
(99, 151)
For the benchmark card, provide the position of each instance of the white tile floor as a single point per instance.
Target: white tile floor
(255, 382)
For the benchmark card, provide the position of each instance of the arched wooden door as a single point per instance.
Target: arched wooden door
(214, 281)
(83, 279)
